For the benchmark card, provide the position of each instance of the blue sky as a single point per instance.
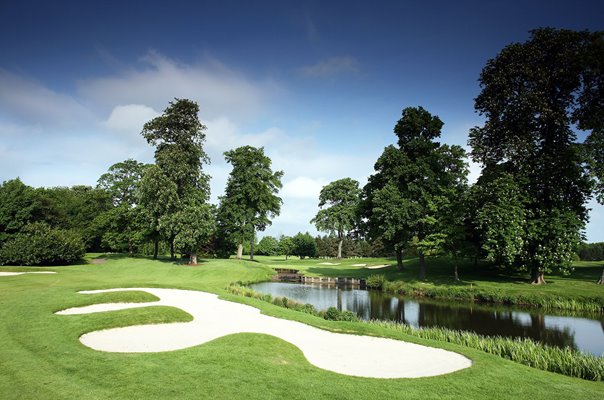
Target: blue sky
(319, 84)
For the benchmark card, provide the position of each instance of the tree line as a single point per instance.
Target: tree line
(527, 209)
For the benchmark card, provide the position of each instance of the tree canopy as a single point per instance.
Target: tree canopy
(339, 201)
(413, 184)
(250, 200)
(535, 97)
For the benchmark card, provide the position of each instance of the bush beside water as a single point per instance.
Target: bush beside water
(564, 361)
(546, 302)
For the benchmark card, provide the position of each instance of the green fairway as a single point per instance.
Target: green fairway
(42, 358)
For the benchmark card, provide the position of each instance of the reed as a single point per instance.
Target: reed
(525, 351)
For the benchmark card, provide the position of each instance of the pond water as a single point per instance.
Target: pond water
(581, 332)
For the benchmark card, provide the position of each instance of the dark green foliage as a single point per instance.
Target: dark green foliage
(591, 251)
(333, 314)
(19, 205)
(76, 208)
(286, 246)
(268, 246)
(594, 155)
(500, 217)
(39, 244)
(250, 200)
(304, 245)
(338, 214)
(173, 193)
(533, 96)
(376, 281)
(122, 181)
(178, 137)
(413, 185)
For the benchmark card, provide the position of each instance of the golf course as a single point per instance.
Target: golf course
(42, 356)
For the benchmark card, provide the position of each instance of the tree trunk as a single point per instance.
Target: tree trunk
(239, 251)
(601, 281)
(340, 248)
(193, 260)
(172, 249)
(537, 277)
(130, 248)
(155, 248)
(399, 259)
(455, 274)
(422, 266)
(252, 240)
(286, 257)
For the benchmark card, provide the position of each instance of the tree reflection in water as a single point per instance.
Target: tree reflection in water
(577, 331)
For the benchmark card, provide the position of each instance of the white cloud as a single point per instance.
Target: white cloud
(303, 187)
(216, 88)
(331, 67)
(31, 103)
(130, 118)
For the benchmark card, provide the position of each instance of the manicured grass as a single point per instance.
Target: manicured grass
(41, 356)
(483, 282)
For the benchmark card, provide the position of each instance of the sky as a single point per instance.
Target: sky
(319, 84)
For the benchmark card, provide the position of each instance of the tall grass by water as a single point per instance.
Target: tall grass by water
(564, 361)
(525, 351)
(470, 293)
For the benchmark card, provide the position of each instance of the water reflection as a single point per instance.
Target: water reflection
(578, 332)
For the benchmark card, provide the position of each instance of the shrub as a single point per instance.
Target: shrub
(333, 314)
(376, 281)
(39, 244)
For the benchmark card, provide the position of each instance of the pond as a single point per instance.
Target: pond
(581, 332)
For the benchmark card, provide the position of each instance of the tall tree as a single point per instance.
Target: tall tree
(286, 246)
(413, 184)
(178, 136)
(535, 96)
(339, 202)
(250, 200)
(157, 200)
(121, 181)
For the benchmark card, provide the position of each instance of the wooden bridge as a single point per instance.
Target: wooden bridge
(294, 275)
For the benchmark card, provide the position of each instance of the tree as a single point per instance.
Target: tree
(195, 224)
(286, 246)
(339, 201)
(178, 136)
(157, 199)
(413, 184)
(304, 245)
(500, 217)
(121, 181)
(535, 96)
(268, 246)
(250, 200)
(19, 205)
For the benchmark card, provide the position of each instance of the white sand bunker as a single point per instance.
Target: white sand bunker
(358, 265)
(329, 263)
(22, 273)
(213, 318)
(377, 266)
